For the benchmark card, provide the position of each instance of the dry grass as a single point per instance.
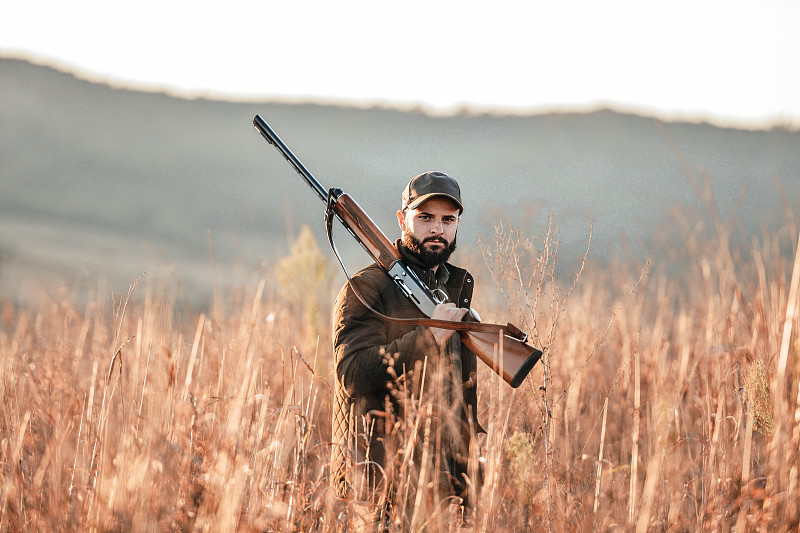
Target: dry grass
(670, 402)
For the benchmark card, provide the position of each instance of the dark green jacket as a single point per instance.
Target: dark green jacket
(372, 355)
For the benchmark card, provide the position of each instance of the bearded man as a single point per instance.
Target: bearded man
(405, 401)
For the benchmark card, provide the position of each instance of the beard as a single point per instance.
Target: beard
(428, 258)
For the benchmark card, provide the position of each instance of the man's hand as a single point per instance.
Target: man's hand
(447, 311)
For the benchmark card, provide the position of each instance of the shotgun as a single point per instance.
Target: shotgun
(502, 348)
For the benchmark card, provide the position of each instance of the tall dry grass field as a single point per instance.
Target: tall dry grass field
(667, 399)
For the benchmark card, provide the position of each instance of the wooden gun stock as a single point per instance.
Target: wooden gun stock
(510, 358)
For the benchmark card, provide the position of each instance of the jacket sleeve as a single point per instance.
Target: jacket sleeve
(366, 358)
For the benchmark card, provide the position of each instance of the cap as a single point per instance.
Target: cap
(429, 184)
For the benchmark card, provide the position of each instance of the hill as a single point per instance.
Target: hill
(101, 180)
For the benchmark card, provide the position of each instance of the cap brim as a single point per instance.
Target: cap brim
(419, 201)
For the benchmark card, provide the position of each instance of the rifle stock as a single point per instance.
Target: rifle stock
(508, 356)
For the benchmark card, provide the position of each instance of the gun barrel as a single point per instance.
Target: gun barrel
(272, 138)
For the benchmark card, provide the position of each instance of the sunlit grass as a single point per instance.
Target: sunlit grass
(671, 401)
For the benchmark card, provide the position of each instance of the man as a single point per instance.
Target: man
(405, 396)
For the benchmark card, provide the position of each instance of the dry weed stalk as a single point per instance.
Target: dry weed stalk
(526, 271)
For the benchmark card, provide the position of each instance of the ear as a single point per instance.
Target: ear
(401, 220)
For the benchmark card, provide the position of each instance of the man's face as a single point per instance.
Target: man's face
(429, 231)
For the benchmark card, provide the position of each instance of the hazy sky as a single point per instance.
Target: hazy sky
(712, 59)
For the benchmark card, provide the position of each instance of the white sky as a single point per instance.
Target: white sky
(721, 60)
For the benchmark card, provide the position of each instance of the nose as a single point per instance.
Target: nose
(437, 228)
